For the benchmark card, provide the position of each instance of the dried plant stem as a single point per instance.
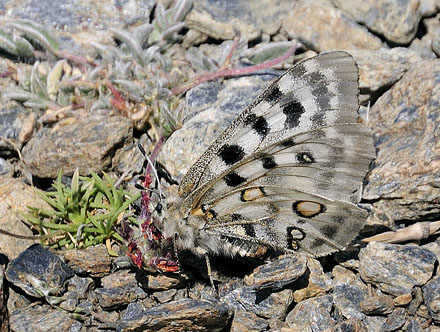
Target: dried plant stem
(233, 72)
(7, 140)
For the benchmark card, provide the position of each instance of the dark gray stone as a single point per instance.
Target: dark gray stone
(115, 297)
(43, 319)
(395, 20)
(405, 121)
(134, 311)
(377, 304)
(88, 144)
(12, 118)
(312, 315)
(431, 294)
(248, 322)
(278, 273)
(347, 299)
(395, 320)
(264, 303)
(394, 268)
(39, 272)
(182, 315)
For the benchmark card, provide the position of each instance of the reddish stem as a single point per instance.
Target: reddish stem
(233, 72)
(118, 101)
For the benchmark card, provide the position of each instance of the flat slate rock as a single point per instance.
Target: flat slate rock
(182, 315)
(397, 21)
(278, 273)
(396, 269)
(405, 121)
(322, 27)
(39, 272)
(88, 144)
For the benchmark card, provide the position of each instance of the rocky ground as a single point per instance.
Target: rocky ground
(374, 287)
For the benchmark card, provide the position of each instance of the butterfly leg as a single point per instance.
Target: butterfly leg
(208, 268)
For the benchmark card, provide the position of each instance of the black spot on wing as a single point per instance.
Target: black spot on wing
(268, 162)
(305, 157)
(236, 216)
(329, 231)
(233, 179)
(293, 111)
(230, 154)
(317, 243)
(273, 95)
(318, 118)
(259, 124)
(249, 230)
(318, 80)
(288, 143)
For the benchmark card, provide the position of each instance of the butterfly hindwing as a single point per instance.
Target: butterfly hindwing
(286, 173)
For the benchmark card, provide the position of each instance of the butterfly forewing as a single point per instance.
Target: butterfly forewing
(286, 173)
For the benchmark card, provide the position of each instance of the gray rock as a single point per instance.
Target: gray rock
(222, 20)
(341, 274)
(377, 304)
(323, 27)
(423, 43)
(12, 122)
(116, 297)
(428, 7)
(119, 278)
(264, 303)
(431, 294)
(182, 315)
(129, 158)
(347, 299)
(395, 320)
(351, 325)
(39, 272)
(414, 326)
(381, 68)
(278, 273)
(312, 315)
(244, 321)
(43, 319)
(134, 311)
(71, 300)
(164, 296)
(71, 15)
(396, 269)
(94, 261)
(405, 119)
(435, 44)
(317, 282)
(88, 144)
(15, 197)
(6, 168)
(80, 285)
(397, 21)
(416, 302)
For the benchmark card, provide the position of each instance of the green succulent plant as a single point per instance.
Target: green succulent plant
(84, 214)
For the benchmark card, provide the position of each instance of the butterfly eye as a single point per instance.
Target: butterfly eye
(159, 208)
